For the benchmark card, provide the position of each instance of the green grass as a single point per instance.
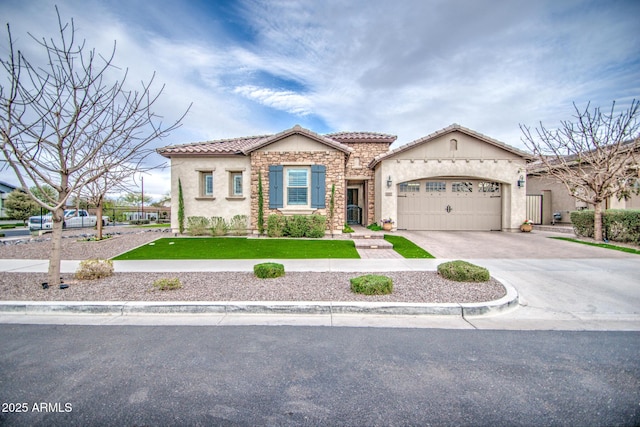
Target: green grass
(601, 245)
(406, 247)
(241, 248)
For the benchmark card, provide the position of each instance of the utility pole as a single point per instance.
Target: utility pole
(142, 199)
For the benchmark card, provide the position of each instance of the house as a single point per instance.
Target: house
(5, 190)
(550, 202)
(453, 179)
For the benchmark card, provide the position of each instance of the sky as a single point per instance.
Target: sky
(403, 67)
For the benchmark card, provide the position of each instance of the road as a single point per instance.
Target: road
(265, 375)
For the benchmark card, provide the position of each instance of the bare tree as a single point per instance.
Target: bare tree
(595, 156)
(67, 125)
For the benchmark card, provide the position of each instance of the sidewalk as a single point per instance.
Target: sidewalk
(551, 294)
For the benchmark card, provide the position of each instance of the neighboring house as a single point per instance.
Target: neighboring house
(550, 202)
(453, 179)
(5, 189)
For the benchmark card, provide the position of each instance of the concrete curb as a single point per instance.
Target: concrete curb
(123, 308)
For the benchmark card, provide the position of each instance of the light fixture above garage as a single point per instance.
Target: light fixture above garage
(521, 181)
(389, 182)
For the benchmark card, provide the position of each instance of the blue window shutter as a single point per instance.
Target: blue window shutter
(275, 187)
(318, 190)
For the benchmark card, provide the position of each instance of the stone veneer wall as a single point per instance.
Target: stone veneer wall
(365, 152)
(334, 162)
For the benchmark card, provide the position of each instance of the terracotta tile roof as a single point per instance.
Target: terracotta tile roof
(302, 131)
(217, 147)
(245, 145)
(449, 129)
(362, 137)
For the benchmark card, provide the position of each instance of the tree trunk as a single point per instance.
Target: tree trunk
(99, 220)
(56, 247)
(597, 222)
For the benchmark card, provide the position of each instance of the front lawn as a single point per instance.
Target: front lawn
(241, 248)
(406, 247)
(600, 245)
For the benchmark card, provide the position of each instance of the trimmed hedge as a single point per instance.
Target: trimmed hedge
(619, 225)
(268, 270)
(312, 226)
(462, 271)
(372, 284)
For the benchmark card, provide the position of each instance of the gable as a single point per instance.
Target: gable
(454, 145)
(296, 143)
(439, 145)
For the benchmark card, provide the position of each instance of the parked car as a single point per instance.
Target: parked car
(72, 218)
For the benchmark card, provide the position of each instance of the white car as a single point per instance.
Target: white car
(72, 218)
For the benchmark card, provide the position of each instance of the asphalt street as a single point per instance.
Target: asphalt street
(260, 375)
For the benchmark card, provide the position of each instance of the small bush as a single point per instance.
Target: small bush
(167, 284)
(197, 225)
(218, 226)
(297, 226)
(90, 269)
(268, 270)
(139, 222)
(372, 284)
(276, 225)
(347, 228)
(238, 225)
(316, 226)
(462, 271)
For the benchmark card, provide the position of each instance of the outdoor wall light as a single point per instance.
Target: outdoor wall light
(521, 181)
(389, 182)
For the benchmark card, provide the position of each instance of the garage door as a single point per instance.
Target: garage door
(449, 205)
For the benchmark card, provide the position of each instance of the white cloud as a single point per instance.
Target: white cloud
(407, 68)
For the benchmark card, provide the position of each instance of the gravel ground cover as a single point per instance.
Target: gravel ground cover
(419, 287)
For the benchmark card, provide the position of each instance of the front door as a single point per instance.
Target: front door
(354, 212)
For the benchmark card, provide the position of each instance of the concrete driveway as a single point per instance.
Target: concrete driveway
(496, 244)
(562, 285)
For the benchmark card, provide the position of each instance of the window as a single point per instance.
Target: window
(488, 187)
(436, 186)
(236, 184)
(207, 183)
(409, 187)
(462, 187)
(297, 186)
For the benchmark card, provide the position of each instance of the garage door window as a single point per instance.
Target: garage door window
(409, 187)
(488, 187)
(462, 187)
(436, 187)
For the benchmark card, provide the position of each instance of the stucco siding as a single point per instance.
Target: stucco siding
(221, 203)
(472, 161)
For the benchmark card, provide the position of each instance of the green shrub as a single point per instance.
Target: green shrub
(139, 222)
(317, 225)
(90, 269)
(276, 225)
(197, 225)
(268, 270)
(297, 226)
(462, 271)
(372, 284)
(374, 227)
(618, 225)
(167, 284)
(347, 228)
(238, 225)
(218, 226)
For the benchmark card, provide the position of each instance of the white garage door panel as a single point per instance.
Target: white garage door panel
(478, 209)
